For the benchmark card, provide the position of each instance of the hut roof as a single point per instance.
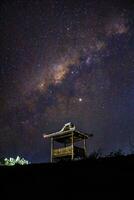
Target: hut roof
(65, 134)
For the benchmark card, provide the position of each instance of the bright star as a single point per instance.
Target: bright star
(80, 99)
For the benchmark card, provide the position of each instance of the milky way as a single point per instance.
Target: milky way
(63, 61)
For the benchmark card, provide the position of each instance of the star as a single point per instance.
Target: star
(41, 86)
(80, 99)
(68, 28)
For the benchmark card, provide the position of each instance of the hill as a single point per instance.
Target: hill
(102, 174)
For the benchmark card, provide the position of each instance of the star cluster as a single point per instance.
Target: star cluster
(66, 61)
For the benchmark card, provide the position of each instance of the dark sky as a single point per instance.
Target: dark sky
(63, 61)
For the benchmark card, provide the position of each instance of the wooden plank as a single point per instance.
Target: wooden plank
(61, 152)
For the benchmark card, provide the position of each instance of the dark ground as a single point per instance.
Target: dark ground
(91, 176)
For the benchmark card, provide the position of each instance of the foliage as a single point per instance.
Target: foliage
(116, 153)
(96, 154)
(14, 161)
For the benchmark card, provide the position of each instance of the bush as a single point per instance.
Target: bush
(116, 153)
(13, 161)
(96, 154)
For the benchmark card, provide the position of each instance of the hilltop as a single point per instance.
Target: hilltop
(109, 173)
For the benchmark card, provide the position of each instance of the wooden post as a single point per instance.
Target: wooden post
(85, 150)
(52, 144)
(72, 146)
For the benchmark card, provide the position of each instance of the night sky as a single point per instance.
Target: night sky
(63, 61)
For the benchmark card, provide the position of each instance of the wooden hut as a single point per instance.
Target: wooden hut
(67, 137)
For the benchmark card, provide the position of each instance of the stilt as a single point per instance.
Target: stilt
(52, 145)
(72, 146)
(85, 148)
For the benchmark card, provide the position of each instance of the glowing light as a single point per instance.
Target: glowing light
(80, 99)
